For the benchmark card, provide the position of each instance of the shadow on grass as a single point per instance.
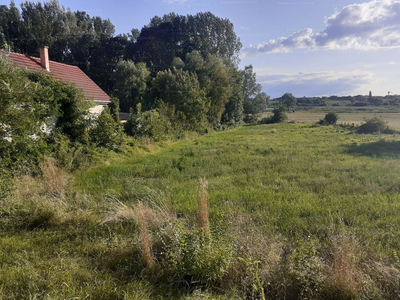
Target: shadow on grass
(377, 149)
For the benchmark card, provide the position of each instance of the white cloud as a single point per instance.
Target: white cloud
(315, 83)
(392, 63)
(367, 26)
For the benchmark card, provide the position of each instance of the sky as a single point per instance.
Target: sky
(304, 47)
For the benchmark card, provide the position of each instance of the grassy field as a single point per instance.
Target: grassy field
(294, 211)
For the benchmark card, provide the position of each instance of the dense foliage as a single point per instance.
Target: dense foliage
(42, 116)
(26, 107)
(194, 51)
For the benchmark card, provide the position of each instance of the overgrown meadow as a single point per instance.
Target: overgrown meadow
(280, 211)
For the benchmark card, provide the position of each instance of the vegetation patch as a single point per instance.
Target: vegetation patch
(274, 219)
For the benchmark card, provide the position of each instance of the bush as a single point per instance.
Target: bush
(330, 119)
(198, 255)
(374, 125)
(278, 116)
(106, 133)
(147, 124)
(70, 155)
(250, 119)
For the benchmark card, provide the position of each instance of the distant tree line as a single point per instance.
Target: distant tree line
(182, 67)
(358, 100)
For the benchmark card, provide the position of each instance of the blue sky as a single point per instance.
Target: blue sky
(308, 48)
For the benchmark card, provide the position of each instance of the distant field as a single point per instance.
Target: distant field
(347, 115)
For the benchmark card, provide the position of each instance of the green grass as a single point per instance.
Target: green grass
(315, 208)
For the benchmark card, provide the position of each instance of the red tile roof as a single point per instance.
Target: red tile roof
(66, 73)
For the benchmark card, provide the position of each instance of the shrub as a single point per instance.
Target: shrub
(374, 125)
(250, 119)
(73, 107)
(278, 116)
(70, 155)
(330, 119)
(197, 255)
(146, 124)
(106, 132)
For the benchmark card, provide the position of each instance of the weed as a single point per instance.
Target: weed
(202, 218)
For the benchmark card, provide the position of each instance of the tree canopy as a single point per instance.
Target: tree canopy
(175, 36)
(187, 62)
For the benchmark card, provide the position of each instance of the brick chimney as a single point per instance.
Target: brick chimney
(44, 57)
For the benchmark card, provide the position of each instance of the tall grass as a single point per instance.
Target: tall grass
(292, 211)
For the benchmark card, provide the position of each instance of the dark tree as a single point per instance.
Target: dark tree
(176, 36)
(288, 100)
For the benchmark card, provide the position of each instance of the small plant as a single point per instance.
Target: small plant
(198, 256)
(253, 267)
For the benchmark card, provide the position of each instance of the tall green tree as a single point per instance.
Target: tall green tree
(254, 101)
(43, 25)
(288, 100)
(181, 89)
(131, 82)
(176, 36)
(214, 78)
(10, 28)
(233, 113)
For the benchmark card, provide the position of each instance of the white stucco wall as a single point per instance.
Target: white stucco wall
(97, 109)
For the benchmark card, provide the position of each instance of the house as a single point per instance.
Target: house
(63, 72)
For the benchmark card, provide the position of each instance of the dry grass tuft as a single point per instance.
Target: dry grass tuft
(202, 217)
(387, 278)
(143, 212)
(44, 202)
(346, 272)
(158, 211)
(120, 213)
(53, 178)
(349, 260)
(145, 217)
